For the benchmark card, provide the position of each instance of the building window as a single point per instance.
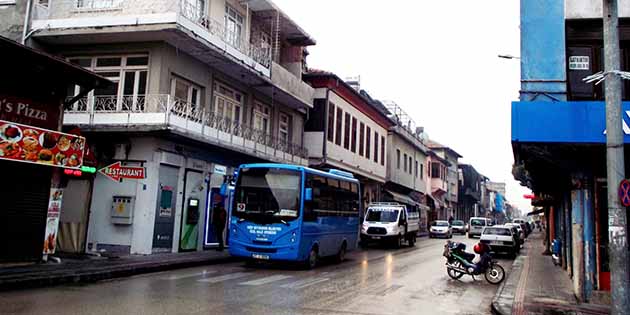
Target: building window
(194, 9)
(382, 150)
(346, 133)
(375, 146)
(262, 117)
(227, 103)
(186, 96)
(421, 170)
(361, 138)
(331, 122)
(405, 163)
(410, 168)
(353, 147)
(416, 167)
(435, 170)
(284, 128)
(398, 158)
(368, 134)
(233, 26)
(338, 126)
(97, 4)
(129, 74)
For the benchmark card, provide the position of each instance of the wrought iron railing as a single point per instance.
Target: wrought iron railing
(173, 107)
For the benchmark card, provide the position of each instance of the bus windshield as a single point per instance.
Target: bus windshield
(382, 215)
(267, 195)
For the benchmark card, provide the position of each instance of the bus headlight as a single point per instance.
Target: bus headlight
(293, 237)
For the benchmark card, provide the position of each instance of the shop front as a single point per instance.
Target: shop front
(33, 152)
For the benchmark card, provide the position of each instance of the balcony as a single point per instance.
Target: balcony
(160, 112)
(109, 21)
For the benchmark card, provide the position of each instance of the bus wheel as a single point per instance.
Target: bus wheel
(341, 256)
(312, 259)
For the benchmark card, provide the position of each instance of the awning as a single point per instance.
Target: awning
(536, 212)
(402, 198)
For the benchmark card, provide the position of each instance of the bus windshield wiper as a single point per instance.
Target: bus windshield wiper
(240, 220)
(284, 222)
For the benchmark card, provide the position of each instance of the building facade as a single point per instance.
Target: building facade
(200, 87)
(470, 191)
(346, 131)
(407, 157)
(562, 156)
(451, 176)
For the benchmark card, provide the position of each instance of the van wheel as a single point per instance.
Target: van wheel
(341, 255)
(398, 242)
(412, 240)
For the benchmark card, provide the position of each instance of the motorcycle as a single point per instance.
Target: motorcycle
(460, 263)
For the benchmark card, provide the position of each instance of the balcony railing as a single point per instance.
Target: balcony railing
(190, 10)
(166, 110)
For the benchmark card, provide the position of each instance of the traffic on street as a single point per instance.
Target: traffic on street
(378, 280)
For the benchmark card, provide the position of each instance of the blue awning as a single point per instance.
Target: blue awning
(564, 122)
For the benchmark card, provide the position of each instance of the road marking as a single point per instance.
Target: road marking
(301, 284)
(266, 280)
(190, 275)
(222, 278)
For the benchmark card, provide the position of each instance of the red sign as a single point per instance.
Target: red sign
(23, 143)
(29, 112)
(624, 192)
(116, 172)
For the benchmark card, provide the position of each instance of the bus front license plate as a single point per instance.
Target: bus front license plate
(259, 256)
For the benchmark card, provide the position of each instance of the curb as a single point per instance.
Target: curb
(105, 273)
(502, 303)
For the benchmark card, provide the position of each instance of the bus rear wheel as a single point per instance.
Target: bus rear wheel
(341, 255)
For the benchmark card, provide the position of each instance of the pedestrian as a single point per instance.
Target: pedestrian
(218, 222)
(450, 220)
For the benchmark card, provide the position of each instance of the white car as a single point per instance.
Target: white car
(440, 229)
(500, 239)
(390, 222)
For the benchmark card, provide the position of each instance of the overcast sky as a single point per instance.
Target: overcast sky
(437, 60)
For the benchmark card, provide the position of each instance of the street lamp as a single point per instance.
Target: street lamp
(508, 57)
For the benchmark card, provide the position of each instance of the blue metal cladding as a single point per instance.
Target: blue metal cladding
(543, 56)
(590, 261)
(564, 122)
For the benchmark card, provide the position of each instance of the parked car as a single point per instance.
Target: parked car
(519, 229)
(501, 239)
(440, 228)
(458, 226)
(476, 225)
(523, 224)
(390, 222)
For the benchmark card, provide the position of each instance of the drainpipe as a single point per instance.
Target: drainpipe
(326, 113)
(27, 20)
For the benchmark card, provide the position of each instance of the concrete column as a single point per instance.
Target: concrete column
(590, 262)
(577, 211)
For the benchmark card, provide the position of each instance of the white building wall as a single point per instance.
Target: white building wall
(398, 175)
(590, 9)
(354, 161)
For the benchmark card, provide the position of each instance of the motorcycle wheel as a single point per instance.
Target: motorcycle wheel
(495, 274)
(453, 273)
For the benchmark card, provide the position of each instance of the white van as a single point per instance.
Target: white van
(390, 222)
(476, 225)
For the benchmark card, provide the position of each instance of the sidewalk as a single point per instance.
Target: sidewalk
(536, 286)
(101, 268)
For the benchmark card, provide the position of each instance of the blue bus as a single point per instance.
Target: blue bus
(287, 212)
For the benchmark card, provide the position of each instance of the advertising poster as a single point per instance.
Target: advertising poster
(52, 220)
(23, 143)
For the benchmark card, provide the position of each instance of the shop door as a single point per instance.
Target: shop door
(74, 216)
(192, 208)
(24, 191)
(165, 210)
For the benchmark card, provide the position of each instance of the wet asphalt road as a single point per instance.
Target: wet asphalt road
(411, 280)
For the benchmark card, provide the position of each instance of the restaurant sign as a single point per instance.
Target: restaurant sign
(23, 143)
(28, 112)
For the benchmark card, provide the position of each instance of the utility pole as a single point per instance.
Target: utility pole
(618, 244)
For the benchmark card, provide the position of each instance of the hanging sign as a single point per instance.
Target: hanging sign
(579, 62)
(117, 172)
(52, 220)
(24, 143)
(624, 193)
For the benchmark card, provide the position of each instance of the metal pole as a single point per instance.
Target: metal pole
(618, 245)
